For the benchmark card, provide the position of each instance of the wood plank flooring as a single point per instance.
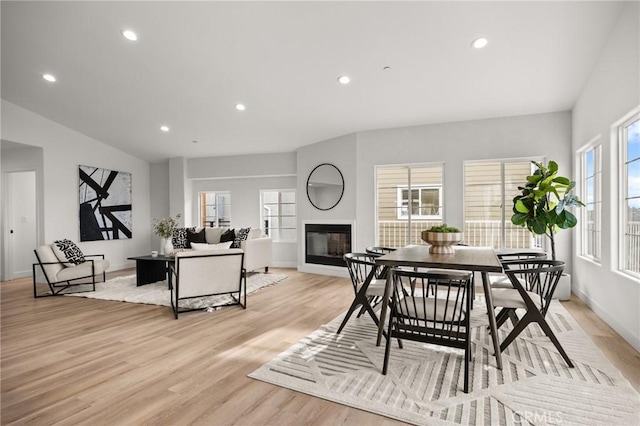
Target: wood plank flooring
(75, 361)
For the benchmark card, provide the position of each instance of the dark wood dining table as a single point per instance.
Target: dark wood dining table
(476, 259)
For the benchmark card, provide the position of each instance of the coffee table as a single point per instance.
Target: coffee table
(151, 269)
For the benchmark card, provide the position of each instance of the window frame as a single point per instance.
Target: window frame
(623, 187)
(401, 202)
(535, 242)
(202, 211)
(594, 145)
(442, 185)
(280, 216)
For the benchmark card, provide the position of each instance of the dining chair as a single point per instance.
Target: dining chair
(534, 282)
(442, 318)
(368, 286)
(379, 250)
(501, 280)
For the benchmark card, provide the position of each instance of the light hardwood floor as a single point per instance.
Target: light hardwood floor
(71, 361)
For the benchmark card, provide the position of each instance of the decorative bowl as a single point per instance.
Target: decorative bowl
(442, 242)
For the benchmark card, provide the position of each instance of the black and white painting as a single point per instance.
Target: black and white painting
(105, 204)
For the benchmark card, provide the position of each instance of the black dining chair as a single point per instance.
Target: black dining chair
(441, 318)
(501, 280)
(379, 250)
(368, 286)
(534, 282)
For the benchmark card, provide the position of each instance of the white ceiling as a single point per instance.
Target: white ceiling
(195, 60)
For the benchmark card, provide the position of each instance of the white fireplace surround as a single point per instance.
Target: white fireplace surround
(313, 268)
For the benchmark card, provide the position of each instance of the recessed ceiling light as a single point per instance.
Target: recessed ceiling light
(130, 35)
(479, 43)
(240, 107)
(344, 79)
(164, 128)
(49, 77)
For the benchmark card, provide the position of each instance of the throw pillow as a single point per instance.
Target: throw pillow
(241, 235)
(195, 237)
(68, 252)
(179, 239)
(219, 246)
(230, 235)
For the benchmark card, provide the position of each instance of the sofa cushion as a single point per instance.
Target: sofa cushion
(68, 252)
(194, 236)
(205, 246)
(229, 235)
(213, 234)
(83, 270)
(255, 233)
(241, 235)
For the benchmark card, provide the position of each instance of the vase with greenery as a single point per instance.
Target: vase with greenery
(164, 229)
(442, 238)
(543, 204)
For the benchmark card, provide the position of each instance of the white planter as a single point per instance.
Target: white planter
(563, 290)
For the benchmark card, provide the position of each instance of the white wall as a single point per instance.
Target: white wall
(541, 135)
(159, 203)
(612, 91)
(341, 152)
(63, 151)
(243, 176)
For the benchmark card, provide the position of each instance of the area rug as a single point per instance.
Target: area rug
(424, 383)
(124, 289)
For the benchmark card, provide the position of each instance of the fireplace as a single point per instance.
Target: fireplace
(325, 244)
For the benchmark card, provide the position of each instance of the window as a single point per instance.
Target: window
(278, 214)
(215, 209)
(630, 196)
(425, 202)
(408, 201)
(590, 183)
(489, 188)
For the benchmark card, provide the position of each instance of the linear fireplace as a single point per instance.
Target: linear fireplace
(325, 244)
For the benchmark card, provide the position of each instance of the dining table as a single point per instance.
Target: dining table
(475, 259)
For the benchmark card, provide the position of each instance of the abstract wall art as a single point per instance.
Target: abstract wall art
(105, 204)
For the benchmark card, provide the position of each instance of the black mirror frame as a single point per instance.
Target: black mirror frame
(341, 193)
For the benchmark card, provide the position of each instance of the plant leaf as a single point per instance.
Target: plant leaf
(553, 166)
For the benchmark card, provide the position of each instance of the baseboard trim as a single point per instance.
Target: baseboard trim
(627, 335)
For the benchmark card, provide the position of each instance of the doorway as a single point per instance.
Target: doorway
(20, 224)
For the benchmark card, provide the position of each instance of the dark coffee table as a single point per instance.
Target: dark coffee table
(151, 269)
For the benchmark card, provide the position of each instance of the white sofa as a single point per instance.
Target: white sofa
(257, 248)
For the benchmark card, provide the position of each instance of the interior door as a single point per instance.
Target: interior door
(21, 226)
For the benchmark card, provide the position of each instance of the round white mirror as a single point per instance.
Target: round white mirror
(325, 186)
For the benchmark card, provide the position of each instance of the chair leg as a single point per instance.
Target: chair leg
(502, 317)
(352, 308)
(551, 335)
(522, 324)
(467, 360)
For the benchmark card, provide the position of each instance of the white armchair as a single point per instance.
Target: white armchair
(257, 253)
(61, 276)
(208, 273)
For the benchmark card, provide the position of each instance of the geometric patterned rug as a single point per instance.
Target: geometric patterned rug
(424, 383)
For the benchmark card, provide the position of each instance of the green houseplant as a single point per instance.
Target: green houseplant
(442, 238)
(542, 205)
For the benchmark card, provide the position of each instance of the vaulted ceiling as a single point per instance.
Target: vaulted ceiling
(410, 63)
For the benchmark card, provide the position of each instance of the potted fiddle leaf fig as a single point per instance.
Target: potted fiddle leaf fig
(543, 205)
